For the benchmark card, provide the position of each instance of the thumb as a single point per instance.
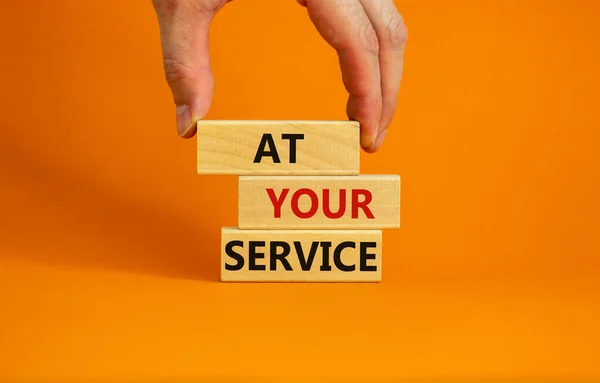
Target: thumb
(184, 26)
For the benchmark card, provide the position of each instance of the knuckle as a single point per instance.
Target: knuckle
(368, 37)
(209, 6)
(176, 71)
(205, 6)
(397, 33)
(165, 6)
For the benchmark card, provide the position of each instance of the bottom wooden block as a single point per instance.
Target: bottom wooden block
(300, 255)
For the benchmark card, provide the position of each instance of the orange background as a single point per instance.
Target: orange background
(109, 241)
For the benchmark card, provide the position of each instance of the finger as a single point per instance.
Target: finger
(391, 33)
(184, 26)
(346, 27)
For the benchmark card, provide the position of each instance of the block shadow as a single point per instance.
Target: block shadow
(95, 226)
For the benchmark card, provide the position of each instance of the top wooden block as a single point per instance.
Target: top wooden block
(278, 147)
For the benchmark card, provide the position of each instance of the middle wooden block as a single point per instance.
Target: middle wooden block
(319, 202)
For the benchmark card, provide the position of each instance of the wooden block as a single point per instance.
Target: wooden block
(278, 147)
(319, 202)
(300, 255)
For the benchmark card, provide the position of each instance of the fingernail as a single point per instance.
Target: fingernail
(184, 120)
(379, 140)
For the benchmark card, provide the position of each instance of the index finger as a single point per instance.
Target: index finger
(346, 27)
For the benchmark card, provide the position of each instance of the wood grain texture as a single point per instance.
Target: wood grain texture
(319, 202)
(230, 147)
(336, 255)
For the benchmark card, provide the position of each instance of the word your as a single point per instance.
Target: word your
(279, 251)
(360, 199)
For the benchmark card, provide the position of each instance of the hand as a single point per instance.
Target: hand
(368, 35)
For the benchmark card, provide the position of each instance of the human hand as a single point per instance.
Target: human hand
(369, 37)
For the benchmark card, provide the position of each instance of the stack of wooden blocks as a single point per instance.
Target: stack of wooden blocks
(305, 213)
